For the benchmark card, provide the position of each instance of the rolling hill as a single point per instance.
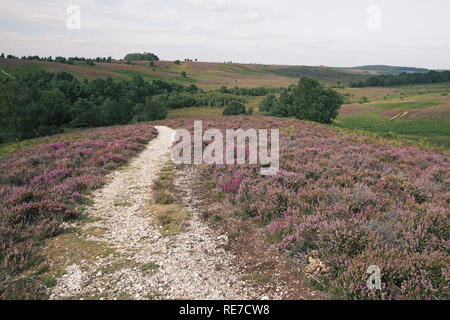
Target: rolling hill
(207, 75)
(383, 69)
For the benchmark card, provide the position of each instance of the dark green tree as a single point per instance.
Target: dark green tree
(85, 114)
(154, 109)
(268, 104)
(314, 102)
(55, 108)
(15, 98)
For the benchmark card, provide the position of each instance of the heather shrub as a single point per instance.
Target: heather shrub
(404, 275)
(163, 197)
(355, 200)
(340, 241)
(43, 185)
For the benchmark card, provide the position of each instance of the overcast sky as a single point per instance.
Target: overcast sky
(314, 32)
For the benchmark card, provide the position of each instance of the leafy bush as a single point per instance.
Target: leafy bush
(234, 108)
(363, 99)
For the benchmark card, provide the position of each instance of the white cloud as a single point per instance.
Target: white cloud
(254, 16)
(286, 31)
(218, 5)
(47, 18)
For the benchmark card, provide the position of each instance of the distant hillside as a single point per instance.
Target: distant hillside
(404, 79)
(383, 69)
(207, 75)
(325, 74)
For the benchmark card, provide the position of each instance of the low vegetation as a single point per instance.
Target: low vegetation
(408, 113)
(351, 201)
(234, 108)
(43, 185)
(168, 214)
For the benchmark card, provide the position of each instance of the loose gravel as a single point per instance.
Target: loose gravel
(144, 264)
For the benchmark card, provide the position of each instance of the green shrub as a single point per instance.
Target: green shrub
(363, 99)
(234, 108)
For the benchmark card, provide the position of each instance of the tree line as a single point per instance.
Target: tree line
(257, 92)
(43, 103)
(60, 59)
(403, 79)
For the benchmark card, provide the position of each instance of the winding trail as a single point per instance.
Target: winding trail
(141, 263)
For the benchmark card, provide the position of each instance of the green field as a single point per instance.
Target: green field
(417, 113)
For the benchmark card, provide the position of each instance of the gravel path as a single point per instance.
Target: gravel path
(143, 264)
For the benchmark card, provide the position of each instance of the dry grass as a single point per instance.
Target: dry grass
(197, 112)
(172, 219)
(352, 109)
(72, 247)
(95, 231)
(168, 215)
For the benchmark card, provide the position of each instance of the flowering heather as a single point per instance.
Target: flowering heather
(356, 200)
(42, 185)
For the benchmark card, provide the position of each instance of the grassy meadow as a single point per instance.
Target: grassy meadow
(418, 113)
